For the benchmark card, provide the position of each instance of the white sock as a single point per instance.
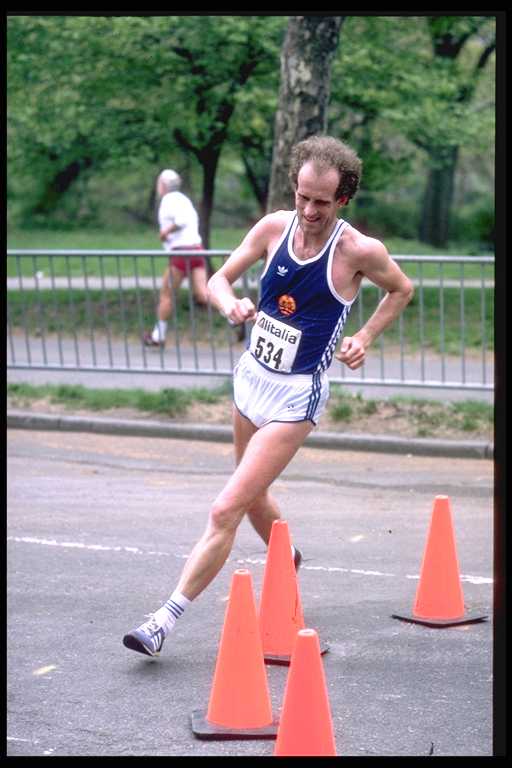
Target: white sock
(159, 331)
(171, 610)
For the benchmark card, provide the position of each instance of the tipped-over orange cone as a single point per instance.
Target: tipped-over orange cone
(439, 599)
(281, 615)
(239, 705)
(305, 727)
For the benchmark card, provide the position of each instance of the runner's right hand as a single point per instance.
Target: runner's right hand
(240, 311)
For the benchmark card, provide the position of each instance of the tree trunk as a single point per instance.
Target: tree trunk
(306, 56)
(209, 160)
(258, 182)
(438, 197)
(434, 225)
(59, 185)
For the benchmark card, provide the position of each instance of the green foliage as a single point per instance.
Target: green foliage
(143, 238)
(379, 218)
(394, 93)
(426, 417)
(211, 75)
(341, 410)
(66, 74)
(472, 413)
(117, 92)
(430, 415)
(345, 406)
(104, 239)
(474, 222)
(96, 105)
(169, 402)
(370, 407)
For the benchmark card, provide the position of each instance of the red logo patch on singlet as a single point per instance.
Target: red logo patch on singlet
(287, 305)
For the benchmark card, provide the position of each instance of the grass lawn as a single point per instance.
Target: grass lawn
(422, 418)
(222, 239)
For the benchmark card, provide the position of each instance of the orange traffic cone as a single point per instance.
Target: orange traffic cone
(239, 705)
(305, 727)
(439, 599)
(281, 615)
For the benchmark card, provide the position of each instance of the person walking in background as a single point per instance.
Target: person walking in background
(179, 230)
(314, 265)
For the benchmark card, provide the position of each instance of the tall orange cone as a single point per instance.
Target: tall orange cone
(305, 727)
(239, 705)
(439, 600)
(280, 614)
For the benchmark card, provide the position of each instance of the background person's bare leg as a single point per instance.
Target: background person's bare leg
(199, 280)
(171, 281)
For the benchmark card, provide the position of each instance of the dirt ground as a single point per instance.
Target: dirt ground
(386, 420)
(432, 420)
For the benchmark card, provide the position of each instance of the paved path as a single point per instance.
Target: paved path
(98, 530)
(44, 282)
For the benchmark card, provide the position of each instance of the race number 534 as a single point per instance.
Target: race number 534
(266, 351)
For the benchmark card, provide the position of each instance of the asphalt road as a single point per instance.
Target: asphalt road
(99, 527)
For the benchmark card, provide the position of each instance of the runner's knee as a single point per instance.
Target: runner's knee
(225, 515)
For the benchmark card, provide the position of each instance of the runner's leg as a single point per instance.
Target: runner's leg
(267, 453)
(199, 281)
(171, 282)
(264, 510)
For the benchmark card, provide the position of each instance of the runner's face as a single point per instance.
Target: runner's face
(315, 199)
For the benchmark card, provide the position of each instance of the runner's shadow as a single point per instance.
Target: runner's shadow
(149, 668)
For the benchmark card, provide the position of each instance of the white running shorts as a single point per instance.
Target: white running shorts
(263, 396)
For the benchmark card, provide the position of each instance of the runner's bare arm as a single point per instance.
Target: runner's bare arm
(253, 247)
(166, 231)
(379, 267)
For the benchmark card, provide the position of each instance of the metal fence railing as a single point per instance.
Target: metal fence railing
(87, 310)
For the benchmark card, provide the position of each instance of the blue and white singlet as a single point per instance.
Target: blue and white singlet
(300, 316)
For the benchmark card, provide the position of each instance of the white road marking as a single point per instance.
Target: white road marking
(479, 580)
(463, 577)
(44, 670)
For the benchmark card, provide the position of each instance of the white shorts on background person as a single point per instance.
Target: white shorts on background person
(263, 396)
